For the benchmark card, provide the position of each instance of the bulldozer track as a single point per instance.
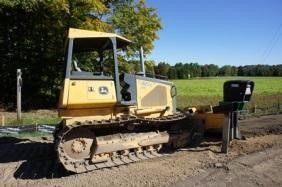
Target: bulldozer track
(116, 158)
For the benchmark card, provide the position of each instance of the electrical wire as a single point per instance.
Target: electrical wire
(272, 43)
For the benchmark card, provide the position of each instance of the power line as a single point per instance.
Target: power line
(272, 43)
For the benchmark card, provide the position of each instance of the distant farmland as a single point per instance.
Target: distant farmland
(203, 91)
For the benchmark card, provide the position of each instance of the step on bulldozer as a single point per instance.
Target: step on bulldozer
(110, 117)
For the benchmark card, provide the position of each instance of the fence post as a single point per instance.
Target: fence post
(3, 120)
(255, 108)
(19, 95)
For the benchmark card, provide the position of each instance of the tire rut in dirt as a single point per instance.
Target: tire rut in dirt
(36, 160)
(261, 126)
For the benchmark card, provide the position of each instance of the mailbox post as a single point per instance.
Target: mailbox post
(236, 93)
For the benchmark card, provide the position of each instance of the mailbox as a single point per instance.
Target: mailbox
(235, 94)
(237, 90)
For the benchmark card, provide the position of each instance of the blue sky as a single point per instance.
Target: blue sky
(221, 32)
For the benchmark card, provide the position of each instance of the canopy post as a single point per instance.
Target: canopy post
(142, 61)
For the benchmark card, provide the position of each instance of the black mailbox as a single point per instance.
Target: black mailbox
(237, 90)
(236, 93)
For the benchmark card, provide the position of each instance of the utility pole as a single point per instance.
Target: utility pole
(19, 95)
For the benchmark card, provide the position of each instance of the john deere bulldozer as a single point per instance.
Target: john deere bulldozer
(110, 117)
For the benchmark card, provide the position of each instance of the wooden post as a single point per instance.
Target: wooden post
(255, 109)
(226, 133)
(3, 120)
(19, 95)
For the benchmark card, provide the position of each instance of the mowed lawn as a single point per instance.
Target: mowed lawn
(214, 86)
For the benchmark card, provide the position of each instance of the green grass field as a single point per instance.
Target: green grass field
(31, 117)
(214, 86)
(203, 91)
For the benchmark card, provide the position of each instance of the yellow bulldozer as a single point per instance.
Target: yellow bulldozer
(110, 117)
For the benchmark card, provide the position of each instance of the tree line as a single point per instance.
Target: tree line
(190, 70)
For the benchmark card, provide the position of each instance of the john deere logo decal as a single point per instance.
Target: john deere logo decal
(103, 90)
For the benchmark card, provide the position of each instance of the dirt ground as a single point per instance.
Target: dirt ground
(254, 161)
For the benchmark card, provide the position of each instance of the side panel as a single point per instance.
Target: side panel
(154, 95)
(91, 94)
